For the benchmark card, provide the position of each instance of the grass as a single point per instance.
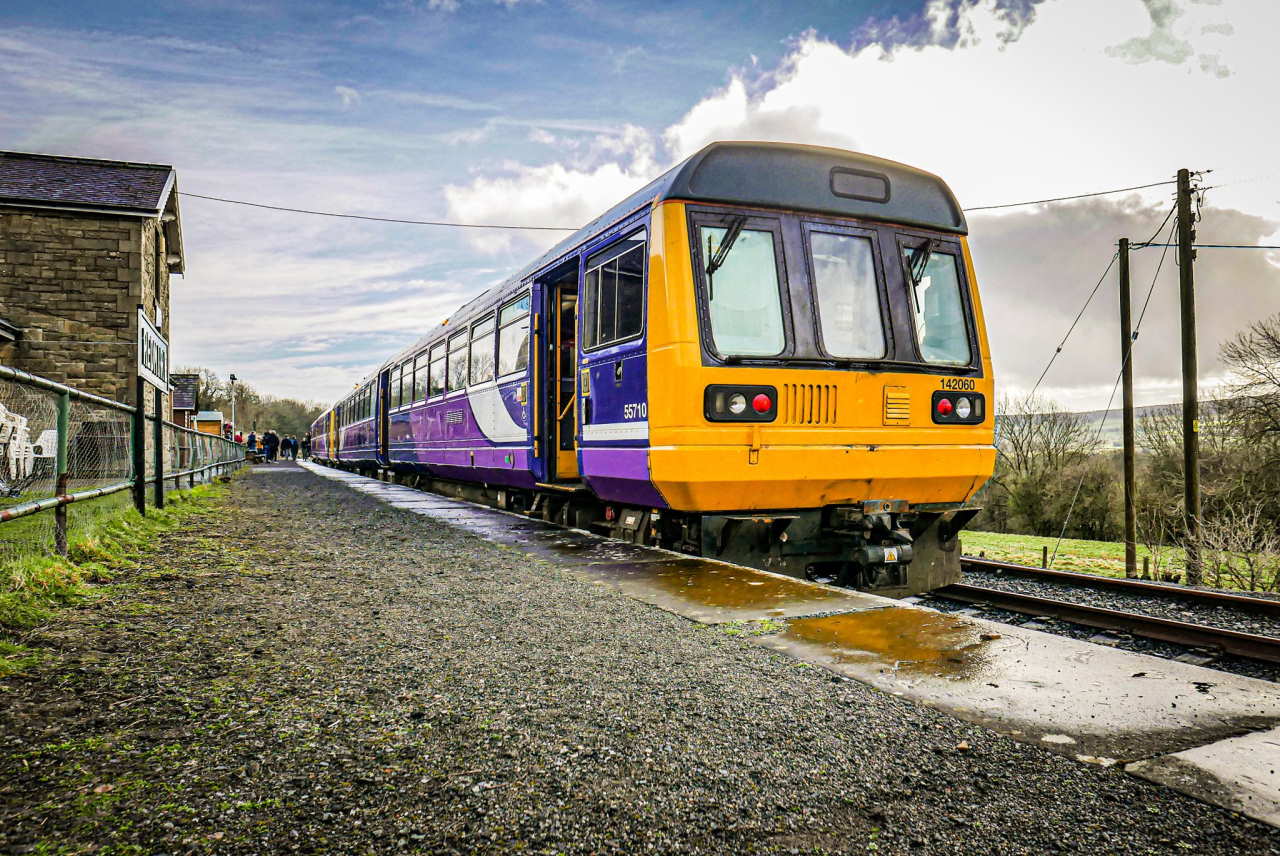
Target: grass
(101, 545)
(1105, 558)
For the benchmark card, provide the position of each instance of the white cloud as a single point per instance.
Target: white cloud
(1005, 105)
(556, 194)
(350, 97)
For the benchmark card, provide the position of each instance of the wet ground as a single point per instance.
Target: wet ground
(313, 670)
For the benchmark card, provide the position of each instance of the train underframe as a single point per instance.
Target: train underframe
(883, 546)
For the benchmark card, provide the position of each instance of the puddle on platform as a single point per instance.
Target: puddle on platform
(714, 593)
(901, 639)
(571, 549)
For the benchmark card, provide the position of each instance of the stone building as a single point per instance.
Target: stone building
(83, 243)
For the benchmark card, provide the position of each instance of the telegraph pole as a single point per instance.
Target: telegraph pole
(1126, 372)
(1190, 394)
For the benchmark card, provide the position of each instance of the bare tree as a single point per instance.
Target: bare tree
(1253, 355)
(1241, 548)
(1037, 438)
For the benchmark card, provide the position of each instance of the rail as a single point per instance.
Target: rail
(1253, 645)
(1260, 605)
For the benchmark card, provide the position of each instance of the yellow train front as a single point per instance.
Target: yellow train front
(820, 384)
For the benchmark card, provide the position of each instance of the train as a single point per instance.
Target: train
(773, 355)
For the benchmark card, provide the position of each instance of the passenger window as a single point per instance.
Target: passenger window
(742, 295)
(848, 298)
(613, 297)
(458, 362)
(482, 347)
(435, 384)
(394, 394)
(513, 337)
(406, 383)
(938, 307)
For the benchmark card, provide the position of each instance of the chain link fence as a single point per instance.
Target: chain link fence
(68, 461)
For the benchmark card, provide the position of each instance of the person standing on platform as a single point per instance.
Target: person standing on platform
(306, 446)
(270, 445)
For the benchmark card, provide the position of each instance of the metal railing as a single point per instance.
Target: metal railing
(61, 447)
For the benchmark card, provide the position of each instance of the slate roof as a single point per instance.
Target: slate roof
(140, 189)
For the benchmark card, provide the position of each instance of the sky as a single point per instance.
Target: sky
(546, 112)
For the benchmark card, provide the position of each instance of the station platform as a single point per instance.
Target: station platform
(1206, 733)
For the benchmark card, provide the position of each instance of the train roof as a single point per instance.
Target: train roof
(768, 175)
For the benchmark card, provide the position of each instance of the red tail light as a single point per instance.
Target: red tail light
(762, 403)
(944, 407)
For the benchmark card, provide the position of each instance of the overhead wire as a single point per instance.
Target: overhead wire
(1067, 198)
(513, 226)
(1124, 362)
(378, 219)
(1072, 328)
(1221, 246)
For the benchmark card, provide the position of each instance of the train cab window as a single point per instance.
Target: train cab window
(937, 305)
(420, 377)
(482, 350)
(513, 337)
(457, 362)
(435, 382)
(613, 300)
(740, 269)
(847, 295)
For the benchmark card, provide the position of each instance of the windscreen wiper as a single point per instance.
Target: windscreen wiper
(730, 236)
(916, 265)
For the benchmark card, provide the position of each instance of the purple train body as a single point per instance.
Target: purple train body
(488, 430)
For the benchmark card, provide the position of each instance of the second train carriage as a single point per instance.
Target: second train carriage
(772, 354)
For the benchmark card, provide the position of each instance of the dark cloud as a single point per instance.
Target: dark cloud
(941, 23)
(1036, 267)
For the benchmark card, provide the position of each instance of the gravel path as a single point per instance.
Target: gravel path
(283, 681)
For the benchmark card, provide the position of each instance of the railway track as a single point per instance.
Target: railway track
(1253, 645)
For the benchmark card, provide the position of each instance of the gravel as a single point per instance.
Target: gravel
(312, 671)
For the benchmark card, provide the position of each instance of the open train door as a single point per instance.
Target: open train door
(383, 420)
(556, 376)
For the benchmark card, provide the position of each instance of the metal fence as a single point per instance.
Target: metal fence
(68, 459)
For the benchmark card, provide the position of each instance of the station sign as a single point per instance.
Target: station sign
(185, 391)
(153, 353)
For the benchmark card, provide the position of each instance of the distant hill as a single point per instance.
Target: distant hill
(1111, 423)
(1108, 422)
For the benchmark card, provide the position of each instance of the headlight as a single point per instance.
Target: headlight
(724, 402)
(964, 408)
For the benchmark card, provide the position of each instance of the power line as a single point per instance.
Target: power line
(1127, 357)
(379, 219)
(457, 225)
(1066, 198)
(1072, 328)
(1221, 246)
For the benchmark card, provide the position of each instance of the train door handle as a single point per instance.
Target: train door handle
(617, 372)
